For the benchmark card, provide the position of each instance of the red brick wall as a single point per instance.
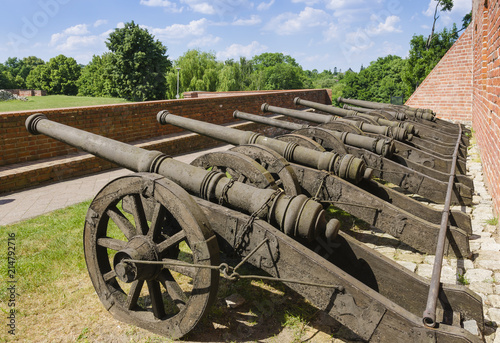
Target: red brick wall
(448, 88)
(486, 90)
(131, 122)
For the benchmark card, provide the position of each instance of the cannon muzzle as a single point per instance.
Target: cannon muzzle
(345, 166)
(294, 215)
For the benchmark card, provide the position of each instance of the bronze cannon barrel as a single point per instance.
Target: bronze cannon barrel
(393, 132)
(383, 147)
(308, 220)
(426, 114)
(344, 113)
(345, 166)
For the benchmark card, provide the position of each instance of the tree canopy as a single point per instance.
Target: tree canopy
(139, 63)
(58, 76)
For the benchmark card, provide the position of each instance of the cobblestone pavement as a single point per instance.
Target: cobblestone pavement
(481, 273)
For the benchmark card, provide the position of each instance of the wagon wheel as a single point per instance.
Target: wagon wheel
(363, 120)
(301, 140)
(164, 299)
(342, 127)
(325, 138)
(237, 166)
(274, 163)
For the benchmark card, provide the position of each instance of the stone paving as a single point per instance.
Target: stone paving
(481, 273)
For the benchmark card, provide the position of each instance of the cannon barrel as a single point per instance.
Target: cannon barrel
(394, 132)
(298, 215)
(410, 111)
(383, 147)
(344, 113)
(343, 165)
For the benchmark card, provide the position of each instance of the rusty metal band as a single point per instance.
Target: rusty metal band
(429, 316)
(289, 149)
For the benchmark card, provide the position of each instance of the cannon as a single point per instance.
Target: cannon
(152, 241)
(440, 159)
(434, 131)
(407, 221)
(395, 170)
(442, 142)
(423, 116)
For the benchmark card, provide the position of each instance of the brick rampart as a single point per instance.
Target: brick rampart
(133, 123)
(447, 90)
(486, 90)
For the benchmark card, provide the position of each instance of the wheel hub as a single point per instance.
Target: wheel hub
(138, 248)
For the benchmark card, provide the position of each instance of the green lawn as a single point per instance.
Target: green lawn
(55, 101)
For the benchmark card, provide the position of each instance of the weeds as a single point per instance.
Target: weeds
(492, 221)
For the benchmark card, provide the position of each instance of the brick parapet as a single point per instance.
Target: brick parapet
(133, 123)
(447, 90)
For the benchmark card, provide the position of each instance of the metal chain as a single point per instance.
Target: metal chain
(316, 198)
(248, 224)
(223, 196)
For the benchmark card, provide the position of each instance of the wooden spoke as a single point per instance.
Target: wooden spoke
(171, 241)
(156, 222)
(133, 295)
(121, 221)
(139, 214)
(156, 299)
(174, 290)
(111, 243)
(109, 276)
(188, 271)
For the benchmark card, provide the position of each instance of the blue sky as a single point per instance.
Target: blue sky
(319, 34)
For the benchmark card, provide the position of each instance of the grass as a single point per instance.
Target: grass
(55, 101)
(492, 221)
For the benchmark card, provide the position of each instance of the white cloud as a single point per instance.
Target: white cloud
(77, 30)
(391, 48)
(253, 20)
(264, 6)
(100, 22)
(76, 42)
(430, 9)
(181, 31)
(342, 4)
(237, 50)
(219, 7)
(290, 23)
(169, 6)
(384, 27)
(332, 32)
(205, 41)
(307, 2)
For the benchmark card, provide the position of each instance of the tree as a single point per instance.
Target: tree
(96, 78)
(443, 6)
(199, 71)
(277, 71)
(421, 60)
(58, 76)
(139, 63)
(377, 82)
(18, 69)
